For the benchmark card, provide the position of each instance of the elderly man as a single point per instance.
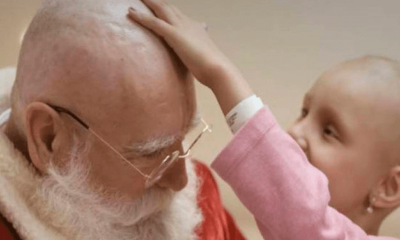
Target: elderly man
(92, 145)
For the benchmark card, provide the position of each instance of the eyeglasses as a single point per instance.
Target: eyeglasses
(158, 172)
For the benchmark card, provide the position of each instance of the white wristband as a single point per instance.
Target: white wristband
(4, 116)
(241, 113)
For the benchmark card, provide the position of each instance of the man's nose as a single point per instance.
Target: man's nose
(298, 132)
(175, 178)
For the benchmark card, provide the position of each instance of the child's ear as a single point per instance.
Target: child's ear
(387, 193)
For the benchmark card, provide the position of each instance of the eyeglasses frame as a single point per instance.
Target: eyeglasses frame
(156, 174)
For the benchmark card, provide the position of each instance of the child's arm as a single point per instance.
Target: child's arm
(265, 167)
(273, 178)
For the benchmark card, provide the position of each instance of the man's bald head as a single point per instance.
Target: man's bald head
(61, 35)
(69, 43)
(88, 57)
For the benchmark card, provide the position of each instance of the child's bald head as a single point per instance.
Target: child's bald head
(375, 72)
(371, 85)
(350, 130)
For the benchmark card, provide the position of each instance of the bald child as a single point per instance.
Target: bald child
(336, 175)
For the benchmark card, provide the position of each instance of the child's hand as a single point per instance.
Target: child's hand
(188, 38)
(190, 41)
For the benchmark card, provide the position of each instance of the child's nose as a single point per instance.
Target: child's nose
(297, 132)
(302, 143)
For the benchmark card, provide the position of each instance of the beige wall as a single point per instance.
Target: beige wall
(282, 46)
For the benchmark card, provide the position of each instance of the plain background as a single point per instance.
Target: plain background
(281, 46)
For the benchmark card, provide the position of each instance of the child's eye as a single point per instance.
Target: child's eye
(328, 131)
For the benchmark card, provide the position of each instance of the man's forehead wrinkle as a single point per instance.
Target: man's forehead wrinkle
(152, 145)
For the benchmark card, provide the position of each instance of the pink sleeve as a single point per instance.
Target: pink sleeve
(273, 178)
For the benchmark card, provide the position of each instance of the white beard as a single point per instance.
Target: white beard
(65, 200)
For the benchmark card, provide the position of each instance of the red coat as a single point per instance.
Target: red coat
(7, 232)
(217, 225)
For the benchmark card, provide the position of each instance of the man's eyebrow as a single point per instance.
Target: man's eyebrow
(151, 146)
(159, 144)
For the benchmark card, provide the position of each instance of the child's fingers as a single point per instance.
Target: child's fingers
(162, 10)
(160, 27)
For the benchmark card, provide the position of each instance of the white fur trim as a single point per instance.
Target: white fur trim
(18, 181)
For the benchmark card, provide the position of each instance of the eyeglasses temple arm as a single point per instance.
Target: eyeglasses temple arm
(119, 154)
(206, 128)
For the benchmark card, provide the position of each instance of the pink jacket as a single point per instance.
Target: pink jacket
(287, 195)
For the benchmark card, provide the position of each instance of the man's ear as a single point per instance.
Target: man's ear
(42, 126)
(387, 193)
